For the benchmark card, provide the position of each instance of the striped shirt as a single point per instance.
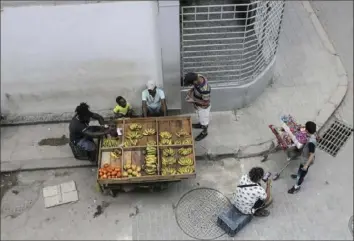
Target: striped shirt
(202, 92)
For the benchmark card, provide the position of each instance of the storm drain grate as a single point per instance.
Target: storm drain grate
(335, 137)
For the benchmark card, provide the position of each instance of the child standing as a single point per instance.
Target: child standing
(307, 156)
(122, 109)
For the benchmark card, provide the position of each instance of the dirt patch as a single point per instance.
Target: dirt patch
(8, 180)
(54, 141)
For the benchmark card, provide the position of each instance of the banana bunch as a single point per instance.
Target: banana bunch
(187, 141)
(116, 153)
(135, 127)
(181, 133)
(178, 142)
(151, 143)
(168, 161)
(126, 143)
(185, 151)
(165, 135)
(150, 166)
(165, 142)
(110, 143)
(186, 170)
(168, 152)
(165, 171)
(185, 161)
(149, 132)
(134, 135)
(134, 142)
(151, 151)
(150, 159)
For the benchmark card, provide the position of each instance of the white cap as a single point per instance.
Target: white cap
(150, 85)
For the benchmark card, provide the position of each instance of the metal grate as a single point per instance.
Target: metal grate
(230, 42)
(335, 137)
(197, 212)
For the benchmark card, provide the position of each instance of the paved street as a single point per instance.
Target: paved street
(321, 210)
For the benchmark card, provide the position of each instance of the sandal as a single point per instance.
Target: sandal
(262, 213)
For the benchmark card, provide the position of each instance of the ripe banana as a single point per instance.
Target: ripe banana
(134, 135)
(187, 141)
(126, 143)
(150, 150)
(186, 170)
(149, 132)
(134, 142)
(110, 143)
(185, 161)
(181, 133)
(165, 142)
(185, 151)
(168, 171)
(135, 127)
(165, 135)
(168, 161)
(151, 143)
(168, 152)
(178, 142)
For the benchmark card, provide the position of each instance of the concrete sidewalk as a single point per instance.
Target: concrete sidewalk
(310, 83)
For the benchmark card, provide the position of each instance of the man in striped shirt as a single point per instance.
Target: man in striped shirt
(199, 96)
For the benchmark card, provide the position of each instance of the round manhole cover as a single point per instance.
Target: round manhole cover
(198, 210)
(17, 200)
(351, 224)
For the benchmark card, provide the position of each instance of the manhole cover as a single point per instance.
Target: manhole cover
(197, 212)
(335, 137)
(17, 200)
(351, 224)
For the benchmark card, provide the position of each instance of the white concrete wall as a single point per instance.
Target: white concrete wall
(53, 57)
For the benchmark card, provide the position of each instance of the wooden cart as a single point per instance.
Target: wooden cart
(135, 154)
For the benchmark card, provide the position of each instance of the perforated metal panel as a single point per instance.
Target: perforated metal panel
(230, 42)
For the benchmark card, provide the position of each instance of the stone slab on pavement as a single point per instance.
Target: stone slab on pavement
(60, 194)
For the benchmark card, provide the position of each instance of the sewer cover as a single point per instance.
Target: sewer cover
(335, 137)
(351, 225)
(18, 199)
(197, 212)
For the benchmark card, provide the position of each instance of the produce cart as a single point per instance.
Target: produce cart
(148, 152)
(289, 134)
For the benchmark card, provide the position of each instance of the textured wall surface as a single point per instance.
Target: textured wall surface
(53, 57)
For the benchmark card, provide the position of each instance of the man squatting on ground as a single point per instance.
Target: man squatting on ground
(250, 196)
(153, 101)
(307, 156)
(81, 134)
(199, 95)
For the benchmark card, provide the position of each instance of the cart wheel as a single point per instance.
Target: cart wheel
(276, 176)
(113, 193)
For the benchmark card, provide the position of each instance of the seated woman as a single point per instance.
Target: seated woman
(81, 134)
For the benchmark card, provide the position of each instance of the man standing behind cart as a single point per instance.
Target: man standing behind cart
(199, 95)
(307, 156)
